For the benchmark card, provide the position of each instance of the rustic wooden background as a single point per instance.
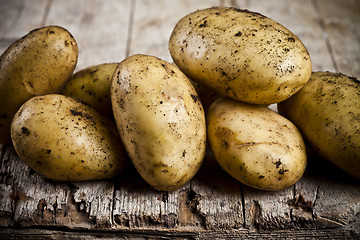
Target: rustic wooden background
(324, 204)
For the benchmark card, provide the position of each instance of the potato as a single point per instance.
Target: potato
(327, 112)
(255, 145)
(92, 86)
(161, 120)
(241, 54)
(65, 140)
(37, 64)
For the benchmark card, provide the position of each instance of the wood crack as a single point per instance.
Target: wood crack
(130, 28)
(327, 222)
(317, 193)
(301, 213)
(112, 220)
(192, 203)
(2, 154)
(243, 204)
(46, 12)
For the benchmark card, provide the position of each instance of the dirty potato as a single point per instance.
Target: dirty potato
(92, 86)
(39, 63)
(255, 145)
(160, 119)
(241, 54)
(65, 140)
(327, 112)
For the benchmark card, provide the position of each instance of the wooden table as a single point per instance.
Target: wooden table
(324, 204)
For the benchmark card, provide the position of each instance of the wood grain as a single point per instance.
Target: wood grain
(211, 201)
(100, 30)
(180, 235)
(341, 21)
(19, 17)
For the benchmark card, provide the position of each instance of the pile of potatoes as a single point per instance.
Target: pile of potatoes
(229, 65)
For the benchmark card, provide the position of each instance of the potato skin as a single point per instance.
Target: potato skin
(161, 120)
(38, 63)
(255, 145)
(241, 54)
(65, 140)
(327, 112)
(92, 86)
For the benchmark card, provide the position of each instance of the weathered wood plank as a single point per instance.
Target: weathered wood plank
(100, 30)
(6, 196)
(211, 201)
(95, 198)
(6, 207)
(29, 199)
(216, 197)
(18, 17)
(8, 15)
(341, 21)
(268, 210)
(337, 200)
(325, 234)
(319, 196)
(137, 205)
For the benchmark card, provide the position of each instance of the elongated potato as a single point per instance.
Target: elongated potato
(241, 54)
(327, 112)
(39, 63)
(65, 140)
(255, 145)
(92, 86)
(160, 119)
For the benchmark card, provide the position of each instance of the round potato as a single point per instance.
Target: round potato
(39, 63)
(161, 120)
(241, 54)
(92, 86)
(327, 112)
(65, 140)
(255, 145)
